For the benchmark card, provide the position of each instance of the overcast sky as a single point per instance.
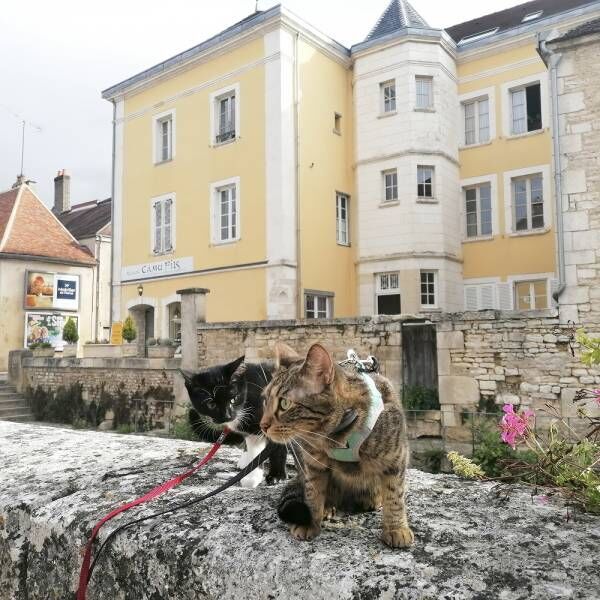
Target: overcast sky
(56, 57)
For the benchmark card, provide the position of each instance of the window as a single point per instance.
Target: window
(226, 214)
(478, 210)
(388, 293)
(175, 322)
(226, 112)
(342, 219)
(480, 296)
(477, 121)
(478, 36)
(531, 295)
(318, 306)
(532, 16)
(428, 288)
(390, 185)
(424, 92)
(526, 109)
(163, 225)
(164, 137)
(424, 182)
(528, 203)
(337, 123)
(388, 96)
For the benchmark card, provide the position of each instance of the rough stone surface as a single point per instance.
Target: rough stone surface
(471, 542)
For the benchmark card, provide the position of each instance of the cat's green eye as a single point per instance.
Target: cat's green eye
(284, 403)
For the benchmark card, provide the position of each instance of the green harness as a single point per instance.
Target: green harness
(357, 438)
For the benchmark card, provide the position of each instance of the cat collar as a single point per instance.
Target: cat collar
(357, 438)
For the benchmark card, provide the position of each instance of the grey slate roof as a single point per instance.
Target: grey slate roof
(584, 29)
(513, 17)
(398, 15)
(87, 219)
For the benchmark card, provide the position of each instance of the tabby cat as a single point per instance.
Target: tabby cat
(230, 395)
(306, 406)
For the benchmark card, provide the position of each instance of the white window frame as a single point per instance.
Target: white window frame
(435, 288)
(471, 182)
(532, 277)
(384, 174)
(419, 170)
(215, 98)
(215, 208)
(382, 87)
(338, 221)
(508, 87)
(319, 295)
(431, 104)
(157, 120)
(509, 176)
(392, 289)
(475, 96)
(153, 201)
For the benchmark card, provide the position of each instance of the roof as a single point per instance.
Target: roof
(513, 17)
(29, 228)
(584, 29)
(398, 15)
(87, 219)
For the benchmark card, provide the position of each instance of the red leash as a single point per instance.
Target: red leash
(84, 574)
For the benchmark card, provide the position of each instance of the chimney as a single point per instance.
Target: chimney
(62, 192)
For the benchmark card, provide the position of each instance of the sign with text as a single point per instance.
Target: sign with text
(116, 333)
(162, 268)
(46, 327)
(48, 291)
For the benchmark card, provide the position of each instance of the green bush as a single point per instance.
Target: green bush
(69, 332)
(418, 397)
(129, 330)
(183, 430)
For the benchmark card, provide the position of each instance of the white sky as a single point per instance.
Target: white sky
(57, 56)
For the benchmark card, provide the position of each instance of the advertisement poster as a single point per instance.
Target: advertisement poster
(45, 327)
(49, 291)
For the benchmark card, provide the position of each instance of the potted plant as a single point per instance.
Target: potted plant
(129, 334)
(161, 348)
(71, 336)
(42, 349)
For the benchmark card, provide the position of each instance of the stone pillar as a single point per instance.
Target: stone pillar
(193, 311)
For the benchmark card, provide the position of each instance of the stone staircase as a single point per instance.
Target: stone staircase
(13, 406)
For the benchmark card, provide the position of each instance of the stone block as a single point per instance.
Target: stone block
(444, 361)
(450, 340)
(576, 221)
(487, 385)
(508, 399)
(457, 389)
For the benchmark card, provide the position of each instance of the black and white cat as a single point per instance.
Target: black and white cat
(230, 395)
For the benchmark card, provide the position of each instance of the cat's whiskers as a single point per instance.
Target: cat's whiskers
(290, 447)
(312, 457)
(258, 387)
(305, 431)
(264, 374)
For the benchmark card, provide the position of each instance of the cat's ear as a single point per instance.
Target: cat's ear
(187, 376)
(232, 367)
(319, 365)
(285, 356)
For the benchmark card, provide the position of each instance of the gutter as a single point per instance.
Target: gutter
(98, 246)
(551, 60)
(112, 210)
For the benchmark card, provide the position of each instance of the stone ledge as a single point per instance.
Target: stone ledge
(469, 543)
(131, 364)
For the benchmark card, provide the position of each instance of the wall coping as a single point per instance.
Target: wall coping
(433, 317)
(134, 364)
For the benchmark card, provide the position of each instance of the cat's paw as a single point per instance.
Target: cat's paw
(305, 532)
(329, 513)
(253, 479)
(244, 460)
(398, 538)
(277, 477)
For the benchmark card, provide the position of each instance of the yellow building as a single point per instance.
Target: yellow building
(294, 177)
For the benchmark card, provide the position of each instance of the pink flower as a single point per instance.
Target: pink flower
(596, 396)
(542, 499)
(514, 426)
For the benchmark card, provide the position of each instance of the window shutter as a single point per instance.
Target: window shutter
(471, 302)
(157, 226)
(168, 242)
(487, 299)
(505, 296)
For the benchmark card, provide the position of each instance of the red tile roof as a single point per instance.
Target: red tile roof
(35, 231)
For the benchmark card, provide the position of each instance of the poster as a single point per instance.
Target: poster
(46, 327)
(48, 291)
(116, 333)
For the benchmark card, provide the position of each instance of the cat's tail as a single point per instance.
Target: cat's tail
(292, 508)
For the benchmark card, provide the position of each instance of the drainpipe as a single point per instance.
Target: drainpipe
(112, 209)
(551, 61)
(97, 253)
(299, 299)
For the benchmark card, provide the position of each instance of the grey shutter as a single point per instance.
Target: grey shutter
(487, 299)
(505, 296)
(157, 227)
(471, 297)
(167, 228)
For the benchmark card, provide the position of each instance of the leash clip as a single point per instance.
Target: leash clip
(368, 365)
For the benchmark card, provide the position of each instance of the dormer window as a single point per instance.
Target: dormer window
(532, 16)
(478, 36)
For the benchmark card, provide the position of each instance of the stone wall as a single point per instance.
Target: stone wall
(579, 136)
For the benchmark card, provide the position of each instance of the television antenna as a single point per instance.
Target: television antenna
(24, 123)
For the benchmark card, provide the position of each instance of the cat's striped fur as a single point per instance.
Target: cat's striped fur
(304, 404)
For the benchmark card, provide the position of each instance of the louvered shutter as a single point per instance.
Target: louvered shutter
(157, 227)
(471, 297)
(505, 296)
(168, 242)
(486, 296)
